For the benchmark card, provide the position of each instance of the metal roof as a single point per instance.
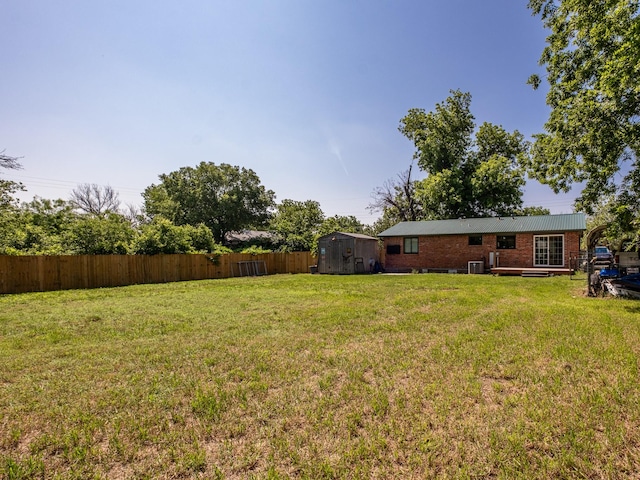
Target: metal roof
(354, 235)
(469, 226)
(247, 235)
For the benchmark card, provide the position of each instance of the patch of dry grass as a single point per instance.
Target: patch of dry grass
(312, 376)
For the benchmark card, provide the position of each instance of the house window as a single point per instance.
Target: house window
(475, 239)
(393, 249)
(548, 250)
(411, 245)
(506, 242)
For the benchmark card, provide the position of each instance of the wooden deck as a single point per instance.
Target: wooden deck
(531, 272)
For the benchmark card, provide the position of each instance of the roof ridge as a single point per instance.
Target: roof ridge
(478, 225)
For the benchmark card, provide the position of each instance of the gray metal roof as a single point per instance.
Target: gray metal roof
(354, 235)
(469, 226)
(246, 235)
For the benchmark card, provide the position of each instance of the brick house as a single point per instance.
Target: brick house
(504, 245)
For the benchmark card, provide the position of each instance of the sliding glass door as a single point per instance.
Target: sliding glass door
(548, 250)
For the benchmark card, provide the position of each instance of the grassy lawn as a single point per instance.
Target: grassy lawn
(309, 376)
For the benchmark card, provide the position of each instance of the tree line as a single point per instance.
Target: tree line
(469, 173)
(190, 210)
(592, 138)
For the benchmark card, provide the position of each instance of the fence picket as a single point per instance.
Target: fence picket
(20, 274)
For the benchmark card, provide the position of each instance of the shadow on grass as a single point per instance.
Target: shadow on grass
(633, 308)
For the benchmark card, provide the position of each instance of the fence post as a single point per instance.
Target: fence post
(39, 273)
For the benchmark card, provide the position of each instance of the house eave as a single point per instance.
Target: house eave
(492, 225)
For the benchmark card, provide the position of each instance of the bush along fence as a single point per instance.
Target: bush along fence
(19, 274)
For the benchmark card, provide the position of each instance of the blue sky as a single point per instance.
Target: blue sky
(308, 94)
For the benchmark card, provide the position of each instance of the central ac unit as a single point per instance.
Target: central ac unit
(476, 267)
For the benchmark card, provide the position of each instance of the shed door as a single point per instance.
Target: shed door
(341, 257)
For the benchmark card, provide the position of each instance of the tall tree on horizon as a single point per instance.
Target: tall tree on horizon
(223, 197)
(467, 175)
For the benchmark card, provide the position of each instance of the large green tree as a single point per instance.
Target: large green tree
(223, 197)
(105, 234)
(162, 236)
(592, 133)
(43, 227)
(341, 223)
(466, 175)
(297, 223)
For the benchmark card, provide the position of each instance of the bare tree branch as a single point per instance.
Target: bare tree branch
(95, 199)
(398, 197)
(133, 213)
(9, 162)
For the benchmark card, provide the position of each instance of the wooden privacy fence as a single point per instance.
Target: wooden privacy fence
(20, 274)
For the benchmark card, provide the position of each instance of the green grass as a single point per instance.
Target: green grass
(310, 376)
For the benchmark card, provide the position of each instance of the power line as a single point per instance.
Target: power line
(65, 184)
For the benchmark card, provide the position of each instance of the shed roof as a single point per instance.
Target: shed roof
(354, 235)
(247, 235)
(469, 226)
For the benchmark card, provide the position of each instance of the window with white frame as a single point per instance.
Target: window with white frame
(548, 250)
(411, 245)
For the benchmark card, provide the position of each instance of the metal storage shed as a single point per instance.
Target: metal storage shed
(347, 253)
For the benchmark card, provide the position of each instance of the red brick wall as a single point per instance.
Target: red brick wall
(454, 252)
